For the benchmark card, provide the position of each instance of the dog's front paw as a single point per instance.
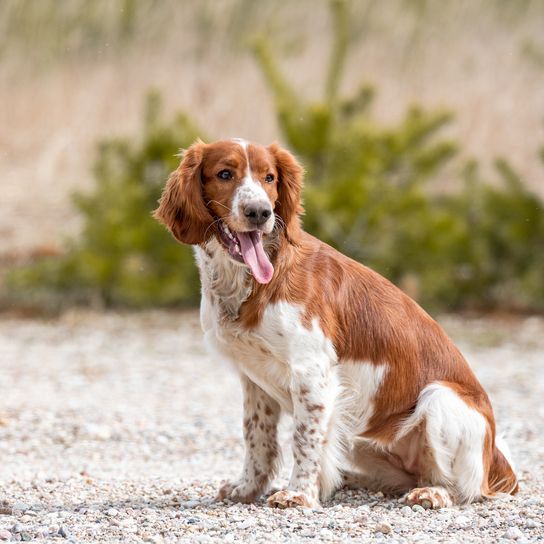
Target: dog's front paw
(239, 491)
(290, 499)
(428, 497)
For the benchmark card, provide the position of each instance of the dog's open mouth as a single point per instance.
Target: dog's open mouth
(247, 247)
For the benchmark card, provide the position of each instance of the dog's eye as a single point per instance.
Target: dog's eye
(225, 174)
(269, 178)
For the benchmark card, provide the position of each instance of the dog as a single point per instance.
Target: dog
(380, 396)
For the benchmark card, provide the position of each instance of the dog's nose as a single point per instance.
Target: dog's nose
(257, 214)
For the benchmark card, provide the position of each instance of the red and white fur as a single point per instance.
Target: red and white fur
(380, 396)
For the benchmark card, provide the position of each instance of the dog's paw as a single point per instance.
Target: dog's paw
(239, 491)
(428, 497)
(290, 499)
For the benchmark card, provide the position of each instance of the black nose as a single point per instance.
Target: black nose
(257, 214)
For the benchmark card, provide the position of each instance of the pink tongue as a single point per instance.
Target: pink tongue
(255, 257)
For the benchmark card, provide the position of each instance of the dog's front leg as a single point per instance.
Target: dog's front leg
(261, 416)
(313, 389)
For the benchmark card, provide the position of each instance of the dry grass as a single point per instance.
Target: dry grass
(480, 61)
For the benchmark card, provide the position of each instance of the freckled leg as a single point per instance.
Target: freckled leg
(261, 416)
(313, 403)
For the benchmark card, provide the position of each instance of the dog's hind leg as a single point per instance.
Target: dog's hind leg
(375, 470)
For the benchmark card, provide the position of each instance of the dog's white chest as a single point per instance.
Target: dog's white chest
(253, 352)
(270, 353)
(282, 344)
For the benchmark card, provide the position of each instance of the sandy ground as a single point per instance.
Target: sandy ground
(120, 428)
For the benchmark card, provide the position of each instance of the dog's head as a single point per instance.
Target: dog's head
(238, 192)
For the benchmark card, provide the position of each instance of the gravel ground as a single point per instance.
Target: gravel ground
(120, 428)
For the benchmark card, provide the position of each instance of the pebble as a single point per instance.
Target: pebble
(112, 512)
(513, 533)
(245, 524)
(384, 528)
(462, 522)
(189, 504)
(417, 508)
(5, 534)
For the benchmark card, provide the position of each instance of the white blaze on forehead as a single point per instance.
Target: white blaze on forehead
(242, 142)
(250, 190)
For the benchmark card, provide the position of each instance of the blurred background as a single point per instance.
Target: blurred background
(420, 125)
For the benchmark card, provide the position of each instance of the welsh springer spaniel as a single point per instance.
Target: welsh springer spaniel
(380, 396)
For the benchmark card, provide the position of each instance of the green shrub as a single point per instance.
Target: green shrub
(123, 256)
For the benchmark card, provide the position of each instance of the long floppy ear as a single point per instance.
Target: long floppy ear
(181, 206)
(289, 204)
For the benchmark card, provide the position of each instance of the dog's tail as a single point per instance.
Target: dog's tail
(501, 477)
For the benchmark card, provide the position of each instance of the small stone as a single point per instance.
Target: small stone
(229, 537)
(17, 528)
(154, 539)
(63, 532)
(21, 506)
(5, 511)
(93, 431)
(513, 533)
(5, 534)
(25, 537)
(188, 504)
(112, 512)
(417, 508)
(406, 510)
(531, 524)
(384, 528)
(462, 521)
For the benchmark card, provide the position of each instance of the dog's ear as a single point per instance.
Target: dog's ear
(289, 204)
(181, 206)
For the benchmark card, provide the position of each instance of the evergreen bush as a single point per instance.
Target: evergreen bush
(123, 256)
